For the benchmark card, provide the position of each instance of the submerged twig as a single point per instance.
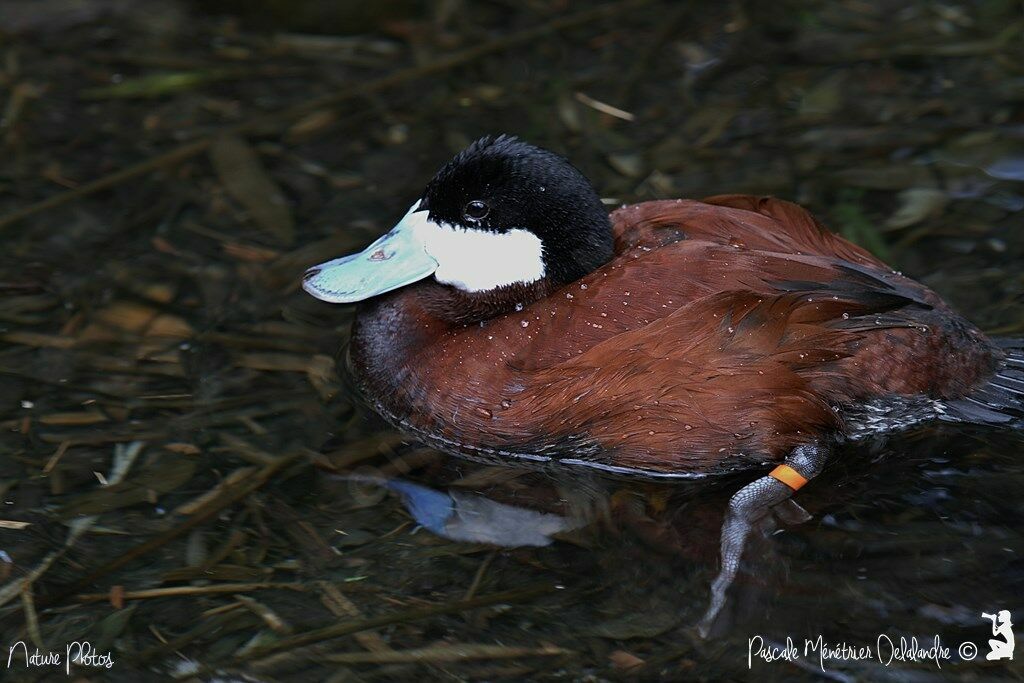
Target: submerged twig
(199, 517)
(78, 528)
(350, 627)
(604, 107)
(172, 591)
(459, 652)
(334, 600)
(215, 623)
(31, 617)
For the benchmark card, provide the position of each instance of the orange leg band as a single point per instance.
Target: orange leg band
(788, 476)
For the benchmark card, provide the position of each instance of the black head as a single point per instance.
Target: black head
(501, 184)
(500, 225)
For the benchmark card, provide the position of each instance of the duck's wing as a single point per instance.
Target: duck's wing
(762, 223)
(730, 380)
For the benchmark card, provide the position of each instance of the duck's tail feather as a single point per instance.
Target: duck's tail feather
(1001, 401)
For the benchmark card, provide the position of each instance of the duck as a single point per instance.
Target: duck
(509, 318)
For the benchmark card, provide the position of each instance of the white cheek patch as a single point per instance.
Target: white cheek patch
(480, 260)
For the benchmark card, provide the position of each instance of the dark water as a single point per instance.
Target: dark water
(152, 335)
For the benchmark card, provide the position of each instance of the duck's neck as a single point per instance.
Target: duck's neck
(459, 307)
(390, 329)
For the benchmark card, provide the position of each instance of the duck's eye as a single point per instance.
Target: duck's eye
(476, 210)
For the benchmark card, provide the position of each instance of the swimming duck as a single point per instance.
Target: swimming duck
(508, 317)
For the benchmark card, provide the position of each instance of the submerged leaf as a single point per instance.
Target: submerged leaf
(638, 624)
(1007, 168)
(240, 170)
(157, 85)
(917, 204)
(474, 518)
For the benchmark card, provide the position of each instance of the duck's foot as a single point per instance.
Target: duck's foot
(751, 504)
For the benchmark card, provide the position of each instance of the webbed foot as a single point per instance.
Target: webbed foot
(751, 504)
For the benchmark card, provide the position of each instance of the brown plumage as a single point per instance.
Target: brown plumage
(721, 334)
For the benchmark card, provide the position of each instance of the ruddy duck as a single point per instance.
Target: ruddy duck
(507, 317)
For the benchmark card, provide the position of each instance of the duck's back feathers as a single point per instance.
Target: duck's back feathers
(762, 223)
